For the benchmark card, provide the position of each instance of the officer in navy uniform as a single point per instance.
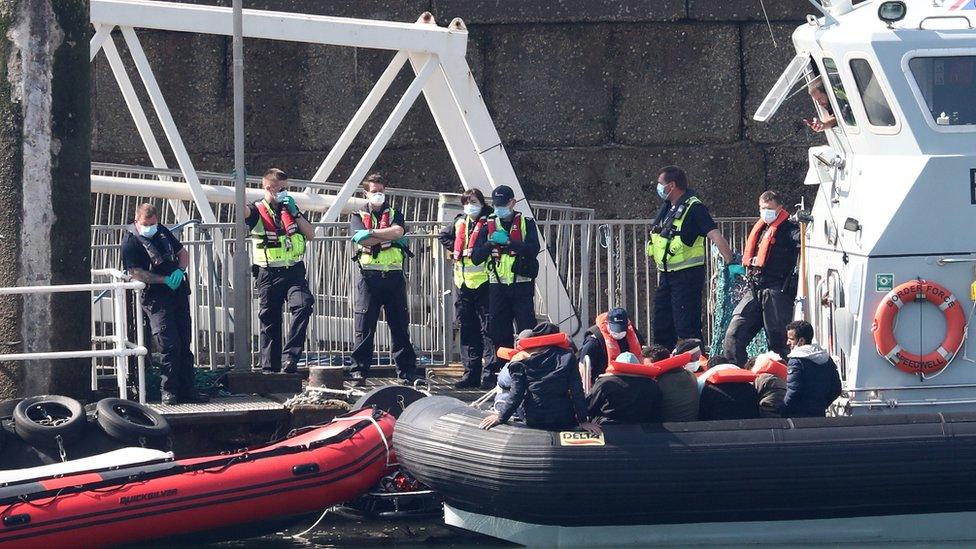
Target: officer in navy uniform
(770, 259)
(511, 247)
(377, 232)
(677, 245)
(471, 305)
(151, 254)
(278, 236)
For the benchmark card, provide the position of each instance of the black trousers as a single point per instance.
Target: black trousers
(169, 318)
(760, 308)
(508, 304)
(471, 312)
(277, 286)
(376, 290)
(678, 306)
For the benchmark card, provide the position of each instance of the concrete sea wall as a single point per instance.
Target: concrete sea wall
(590, 97)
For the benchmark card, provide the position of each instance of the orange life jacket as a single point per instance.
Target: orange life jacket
(757, 248)
(527, 344)
(613, 348)
(650, 369)
(770, 366)
(731, 375)
(368, 219)
(463, 243)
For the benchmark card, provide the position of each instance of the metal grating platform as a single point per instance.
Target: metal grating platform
(236, 404)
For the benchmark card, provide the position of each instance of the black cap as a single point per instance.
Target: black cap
(541, 329)
(502, 195)
(617, 320)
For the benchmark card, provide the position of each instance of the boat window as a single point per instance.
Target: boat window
(875, 104)
(948, 85)
(840, 94)
(783, 89)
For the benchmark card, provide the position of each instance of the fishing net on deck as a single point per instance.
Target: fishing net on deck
(726, 294)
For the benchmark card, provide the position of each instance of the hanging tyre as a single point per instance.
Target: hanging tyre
(130, 421)
(47, 420)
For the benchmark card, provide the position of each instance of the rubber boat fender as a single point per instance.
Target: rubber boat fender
(732, 375)
(130, 421)
(884, 323)
(392, 399)
(49, 420)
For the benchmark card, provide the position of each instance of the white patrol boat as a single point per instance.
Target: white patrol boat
(888, 274)
(890, 250)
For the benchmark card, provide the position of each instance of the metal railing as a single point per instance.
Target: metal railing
(602, 263)
(121, 348)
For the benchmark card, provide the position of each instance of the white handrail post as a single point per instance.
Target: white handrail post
(121, 362)
(141, 344)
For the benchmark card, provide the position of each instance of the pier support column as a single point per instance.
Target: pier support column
(45, 158)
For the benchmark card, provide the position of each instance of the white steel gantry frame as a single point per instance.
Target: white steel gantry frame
(436, 55)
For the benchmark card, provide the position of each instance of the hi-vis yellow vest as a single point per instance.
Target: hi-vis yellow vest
(277, 250)
(466, 273)
(670, 253)
(503, 271)
(389, 257)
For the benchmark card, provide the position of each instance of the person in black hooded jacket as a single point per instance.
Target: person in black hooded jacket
(546, 383)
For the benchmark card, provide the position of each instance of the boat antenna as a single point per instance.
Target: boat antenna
(769, 25)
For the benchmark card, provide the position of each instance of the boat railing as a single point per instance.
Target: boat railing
(114, 344)
(602, 264)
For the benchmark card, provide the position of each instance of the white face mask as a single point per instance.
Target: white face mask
(472, 210)
(618, 335)
(377, 199)
(767, 215)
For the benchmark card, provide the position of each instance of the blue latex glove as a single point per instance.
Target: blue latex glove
(736, 270)
(360, 235)
(175, 278)
(499, 237)
(402, 242)
(289, 202)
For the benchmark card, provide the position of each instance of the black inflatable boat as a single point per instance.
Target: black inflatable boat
(846, 479)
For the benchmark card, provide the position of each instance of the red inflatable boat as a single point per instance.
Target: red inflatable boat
(309, 471)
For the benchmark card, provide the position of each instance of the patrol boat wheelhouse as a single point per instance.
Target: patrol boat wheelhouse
(888, 272)
(894, 222)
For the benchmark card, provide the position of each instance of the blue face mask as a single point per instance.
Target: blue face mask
(503, 211)
(149, 231)
(661, 192)
(472, 210)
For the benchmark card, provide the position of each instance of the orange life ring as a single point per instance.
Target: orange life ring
(884, 322)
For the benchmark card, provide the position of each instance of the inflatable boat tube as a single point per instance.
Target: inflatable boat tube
(309, 471)
(392, 399)
(122, 457)
(696, 472)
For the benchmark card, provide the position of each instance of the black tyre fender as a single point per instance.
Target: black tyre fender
(40, 420)
(130, 421)
(392, 399)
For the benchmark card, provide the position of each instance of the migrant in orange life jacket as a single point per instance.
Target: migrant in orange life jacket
(613, 347)
(757, 248)
(730, 375)
(650, 369)
(766, 365)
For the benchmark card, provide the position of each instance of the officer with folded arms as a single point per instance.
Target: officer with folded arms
(278, 236)
(151, 254)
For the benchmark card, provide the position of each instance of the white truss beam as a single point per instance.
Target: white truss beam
(139, 116)
(168, 124)
(359, 119)
(382, 138)
(270, 25)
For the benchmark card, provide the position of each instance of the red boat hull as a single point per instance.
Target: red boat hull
(305, 473)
